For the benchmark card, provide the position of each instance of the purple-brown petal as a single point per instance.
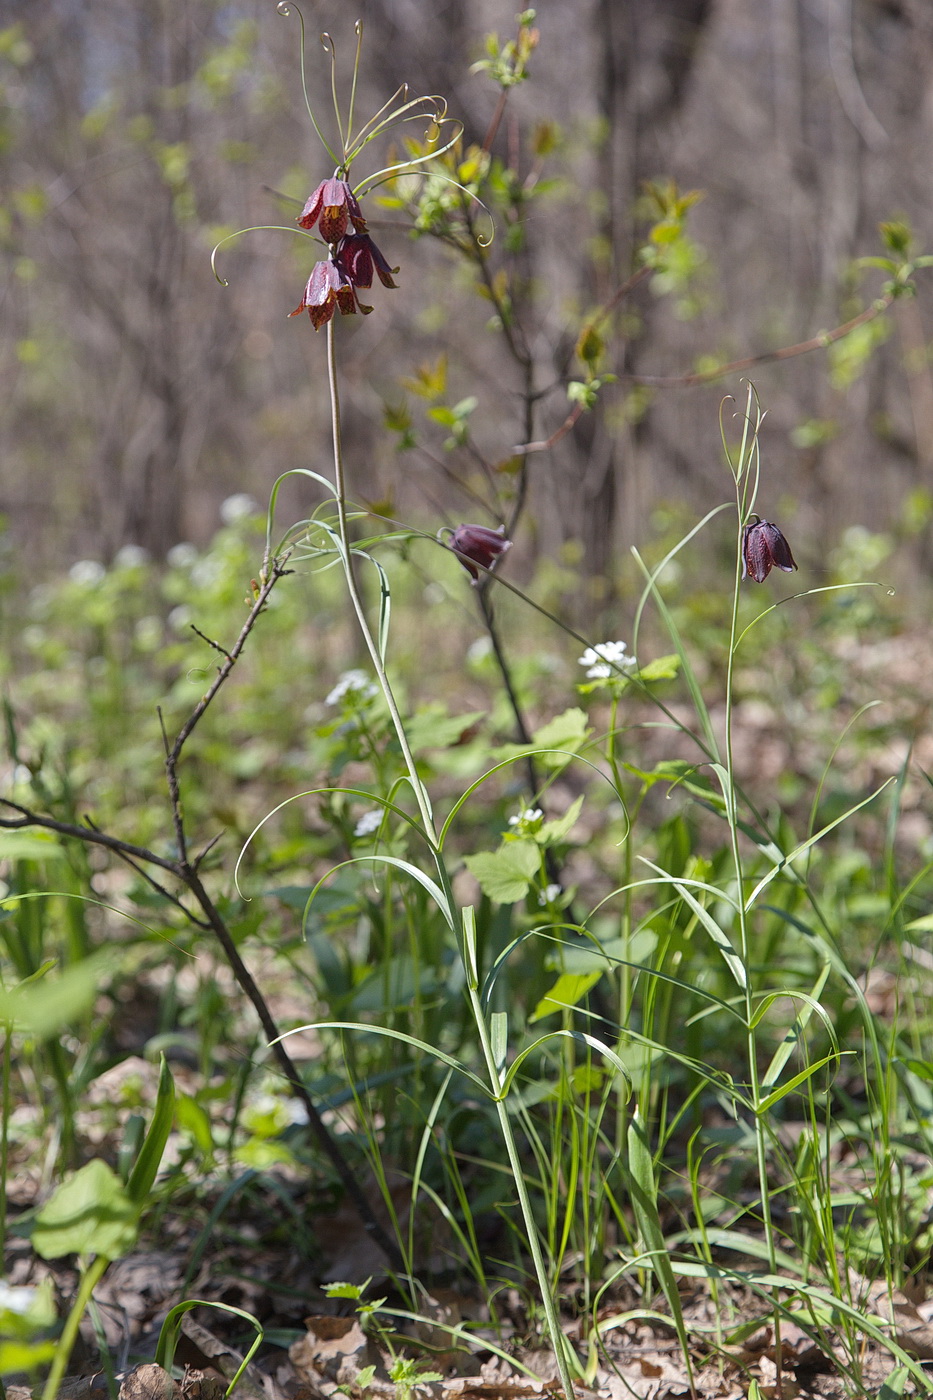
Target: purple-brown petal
(780, 549)
(477, 544)
(310, 213)
(354, 258)
(763, 548)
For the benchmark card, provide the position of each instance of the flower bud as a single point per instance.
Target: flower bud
(477, 544)
(764, 548)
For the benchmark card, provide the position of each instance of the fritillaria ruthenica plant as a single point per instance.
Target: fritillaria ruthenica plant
(478, 545)
(764, 548)
(332, 212)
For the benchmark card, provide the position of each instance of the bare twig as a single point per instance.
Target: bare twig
(709, 376)
(187, 873)
(787, 352)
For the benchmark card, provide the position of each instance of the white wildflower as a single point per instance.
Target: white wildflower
(17, 1300)
(478, 651)
(356, 681)
(238, 507)
(182, 556)
(549, 894)
(131, 556)
(87, 572)
(368, 823)
(529, 817)
(606, 658)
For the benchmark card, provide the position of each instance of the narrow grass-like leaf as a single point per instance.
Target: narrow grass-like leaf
(583, 1038)
(805, 846)
(693, 685)
(731, 958)
(791, 1040)
(390, 1033)
(146, 1166)
(645, 1206)
(779, 1093)
(171, 1331)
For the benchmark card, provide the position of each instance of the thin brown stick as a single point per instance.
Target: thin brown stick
(187, 872)
(709, 376)
(787, 352)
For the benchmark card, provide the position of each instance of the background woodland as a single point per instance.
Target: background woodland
(140, 393)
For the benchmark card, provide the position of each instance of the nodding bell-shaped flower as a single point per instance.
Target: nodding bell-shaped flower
(332, 206)
(764, 548)
(357, 256)
(477, 544)
(328, 290)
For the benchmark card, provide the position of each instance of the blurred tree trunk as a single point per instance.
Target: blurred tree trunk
(646, 52)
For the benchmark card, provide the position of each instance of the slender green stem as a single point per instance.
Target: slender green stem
(493, 1068)
(421, 797)
(90, 1278)
(743, 473)
(7, 1110)
(558, 1340)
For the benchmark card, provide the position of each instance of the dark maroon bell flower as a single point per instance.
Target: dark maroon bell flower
(764, 548)
(357, 256)
(332, 205)
(477, 544)
(328, 291)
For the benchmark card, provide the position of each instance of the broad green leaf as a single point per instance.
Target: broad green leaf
(893, 1387)
(90, 1213)
(923, 1069)
(662, 668)
(26, 1310)
(568, 990)
(565, 734)
(17, 1357)
(433, 728)
(23, 845)
(193, 1120)
(505, 875)
(565, 731)
(43, 1007)
(552, 832)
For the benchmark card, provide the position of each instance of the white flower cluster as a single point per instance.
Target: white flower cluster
(531, 816)
(17, 1300)
(368, 823)
(239, 506)
(356, 681)
(606, 658)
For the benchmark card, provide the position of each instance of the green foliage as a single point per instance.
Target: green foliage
(684, 880)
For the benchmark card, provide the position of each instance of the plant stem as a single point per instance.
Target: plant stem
(421, 797)
(90, 1278)
(730, 793)
(558, 1340)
